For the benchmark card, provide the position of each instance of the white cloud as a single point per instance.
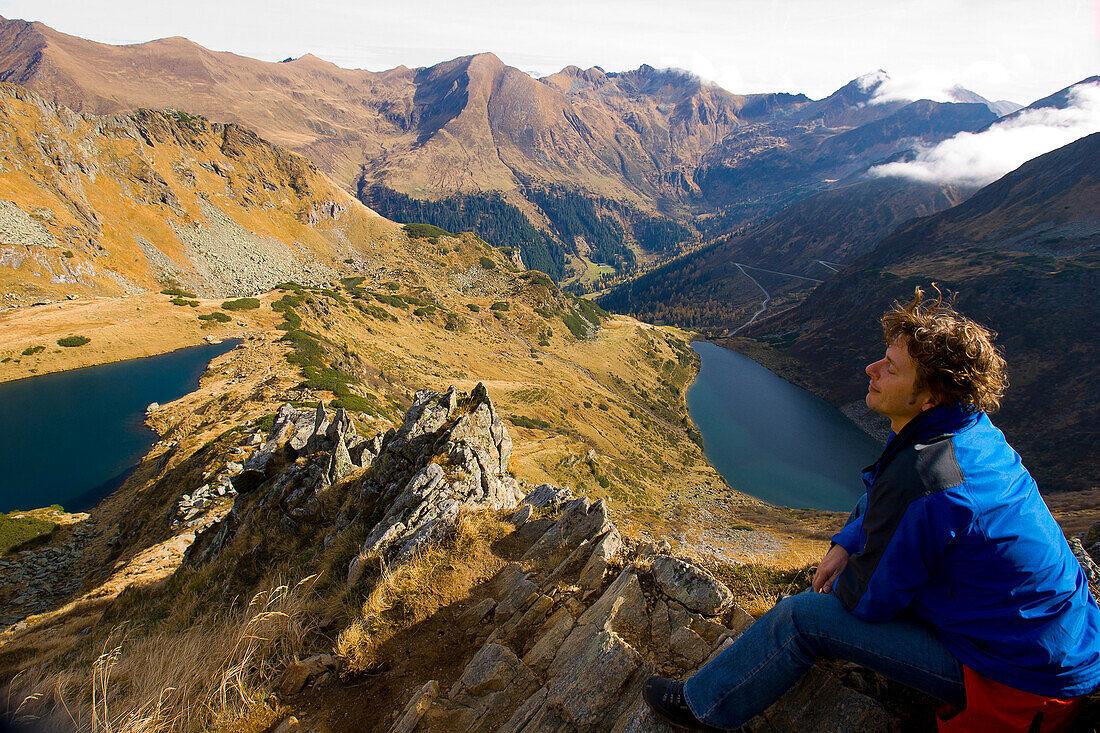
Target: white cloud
(980, 158)
(922, 84)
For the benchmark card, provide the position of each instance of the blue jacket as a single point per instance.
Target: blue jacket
(956, 533)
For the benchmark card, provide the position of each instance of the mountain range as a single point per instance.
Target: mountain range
(632, 159)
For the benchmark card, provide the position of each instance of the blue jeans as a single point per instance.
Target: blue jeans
(774, 653)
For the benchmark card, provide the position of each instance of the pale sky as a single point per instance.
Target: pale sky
(1001, 49)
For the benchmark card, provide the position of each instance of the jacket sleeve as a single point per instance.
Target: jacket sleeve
(851, 537)
(905, 542)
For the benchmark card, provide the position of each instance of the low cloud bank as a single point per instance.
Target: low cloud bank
(975, 159)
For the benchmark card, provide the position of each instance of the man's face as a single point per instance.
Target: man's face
(893, 388)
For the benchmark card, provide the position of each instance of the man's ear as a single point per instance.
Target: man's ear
(931, 402)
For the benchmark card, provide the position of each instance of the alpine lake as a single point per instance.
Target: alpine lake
(71, 438)
(775, 441)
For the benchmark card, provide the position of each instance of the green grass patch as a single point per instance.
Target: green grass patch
(72, 341)
(394, 301)
(241, 304)
(285, 305)
(532, 423)
(356, 403)
(68, 254)
(216, 316)
(487, 263)
(590, 311)
(539, 278)
(291, 286)
(309, 355)
(24, 532)
(474, 307)
(426, 231)
(576, 325)
(287, 301)
(425, 311)
(351, 283)
(184, 301)
(30, 350)
(500, 305)
(266, 423)
(338, 297)
(375, 312)
(416, 301)
(178, 292)
(454, 322)
(307, 348)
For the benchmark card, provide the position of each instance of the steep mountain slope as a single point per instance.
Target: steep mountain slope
(1022, 254)
(809, 241)
(640, 145)
(121, 204)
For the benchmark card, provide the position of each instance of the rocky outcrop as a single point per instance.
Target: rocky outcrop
(36, 580)
(691, 585)
(575, 627)
(451, 453)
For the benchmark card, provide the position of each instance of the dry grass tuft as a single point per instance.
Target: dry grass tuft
(756, 587)
(408, 594)
(210, 673)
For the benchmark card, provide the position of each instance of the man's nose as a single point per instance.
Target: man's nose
(872, 368)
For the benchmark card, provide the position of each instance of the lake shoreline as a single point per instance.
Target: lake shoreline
(119, 329)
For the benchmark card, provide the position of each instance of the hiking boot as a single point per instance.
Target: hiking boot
(665, 698)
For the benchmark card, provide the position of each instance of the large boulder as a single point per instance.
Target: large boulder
(693, 587)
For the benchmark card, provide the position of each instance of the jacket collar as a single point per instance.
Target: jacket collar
(937, 423)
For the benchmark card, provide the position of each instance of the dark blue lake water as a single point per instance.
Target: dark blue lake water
(775, 441)
(71, 438)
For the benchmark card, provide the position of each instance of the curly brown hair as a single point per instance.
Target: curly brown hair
(955, 357)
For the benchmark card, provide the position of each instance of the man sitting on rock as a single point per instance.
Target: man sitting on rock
(951, 576)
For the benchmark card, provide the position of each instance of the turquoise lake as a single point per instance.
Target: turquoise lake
(773, 440)
(71, 438)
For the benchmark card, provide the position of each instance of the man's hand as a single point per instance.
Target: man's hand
(829, 569)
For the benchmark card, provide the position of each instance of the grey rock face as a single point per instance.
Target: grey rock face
(548, 496)
(450, 453)
(692, 586)
(580, 520)
(410, 716)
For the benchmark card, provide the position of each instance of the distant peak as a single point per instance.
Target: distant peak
(872, 80)
(487, 57)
